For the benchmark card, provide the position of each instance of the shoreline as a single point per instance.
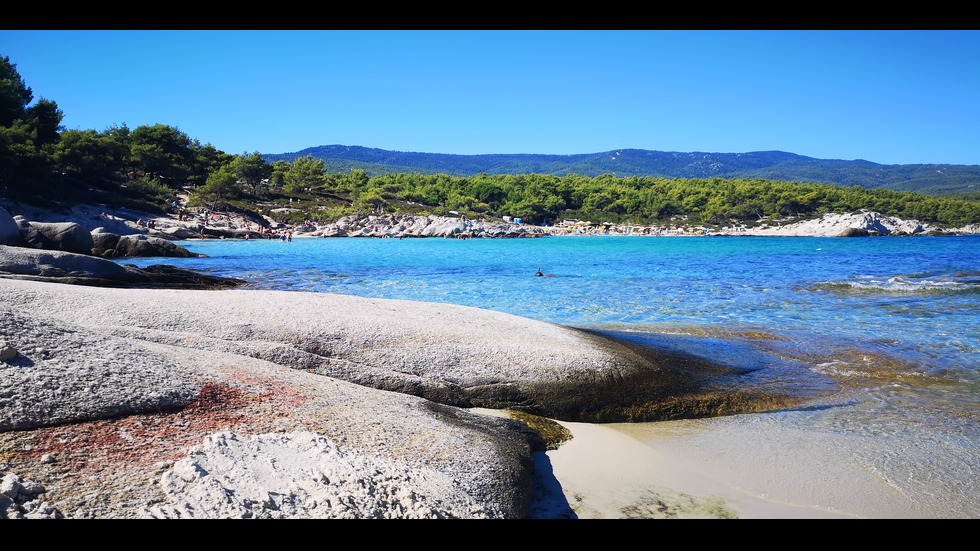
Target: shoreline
(605, 471)
(722, 467)
(666, 470)
(859, 224)
(249, 362)
(224, 225)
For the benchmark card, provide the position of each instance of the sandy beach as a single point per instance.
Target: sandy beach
(711, 468)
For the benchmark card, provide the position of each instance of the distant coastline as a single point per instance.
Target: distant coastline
(861, 224)
(206, 224)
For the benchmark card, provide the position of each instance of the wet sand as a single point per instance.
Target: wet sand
(712, 468)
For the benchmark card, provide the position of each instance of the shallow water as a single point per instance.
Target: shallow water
(884, 328)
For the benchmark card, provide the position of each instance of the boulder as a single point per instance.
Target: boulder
(854, 232)
(7, 352)
(110, 245)
(19, 499)
(56, 236)
(104, 243)
(907, 227)
(331, 231)
(22, 261)
(9, 230)
(445, 228)
(180, 233)
(65, 267)
(146, 246)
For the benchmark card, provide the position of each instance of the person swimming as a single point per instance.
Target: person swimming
(539, 274)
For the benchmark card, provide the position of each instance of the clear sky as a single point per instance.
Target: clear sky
(891, 97)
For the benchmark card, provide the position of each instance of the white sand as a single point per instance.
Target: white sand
(715, 468)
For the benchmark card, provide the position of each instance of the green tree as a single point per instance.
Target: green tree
(305, 173)
(90, 155)
(357, 178)
(278, 170)
(25, 130)
(15, 95)
(220, 188)
(371, 198)
(45, 122)
(251, 169)
(488, 192)
(205, 159)
(163, 152)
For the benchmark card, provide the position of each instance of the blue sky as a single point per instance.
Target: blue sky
(891, 97)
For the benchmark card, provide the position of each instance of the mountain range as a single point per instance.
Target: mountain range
(930, 179)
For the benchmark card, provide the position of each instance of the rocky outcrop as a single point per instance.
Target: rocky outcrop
(119, 427)
(57, 236)
(22, 261)
(263, 404)
(452, 355)
(408, 226)
(215, 232)
(110, 245)
(66, 252)
(65, 267)
(855, 232)
(75, 238)
(19, 499)
(865, 223)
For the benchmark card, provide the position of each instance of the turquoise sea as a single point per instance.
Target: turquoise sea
(883, 332)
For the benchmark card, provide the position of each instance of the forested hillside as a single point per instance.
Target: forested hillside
(774, 165)
(542, 198)
(158, 167)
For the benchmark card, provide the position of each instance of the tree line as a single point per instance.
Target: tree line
(539, 198)
(148, 165)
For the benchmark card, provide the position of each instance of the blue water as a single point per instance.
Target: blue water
(889, 323)
(920, 291)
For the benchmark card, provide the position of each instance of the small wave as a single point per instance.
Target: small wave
(956, 282)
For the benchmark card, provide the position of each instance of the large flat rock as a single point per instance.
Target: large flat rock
(159, 402)
(115, 425)
(67, 267)
(450, 354)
